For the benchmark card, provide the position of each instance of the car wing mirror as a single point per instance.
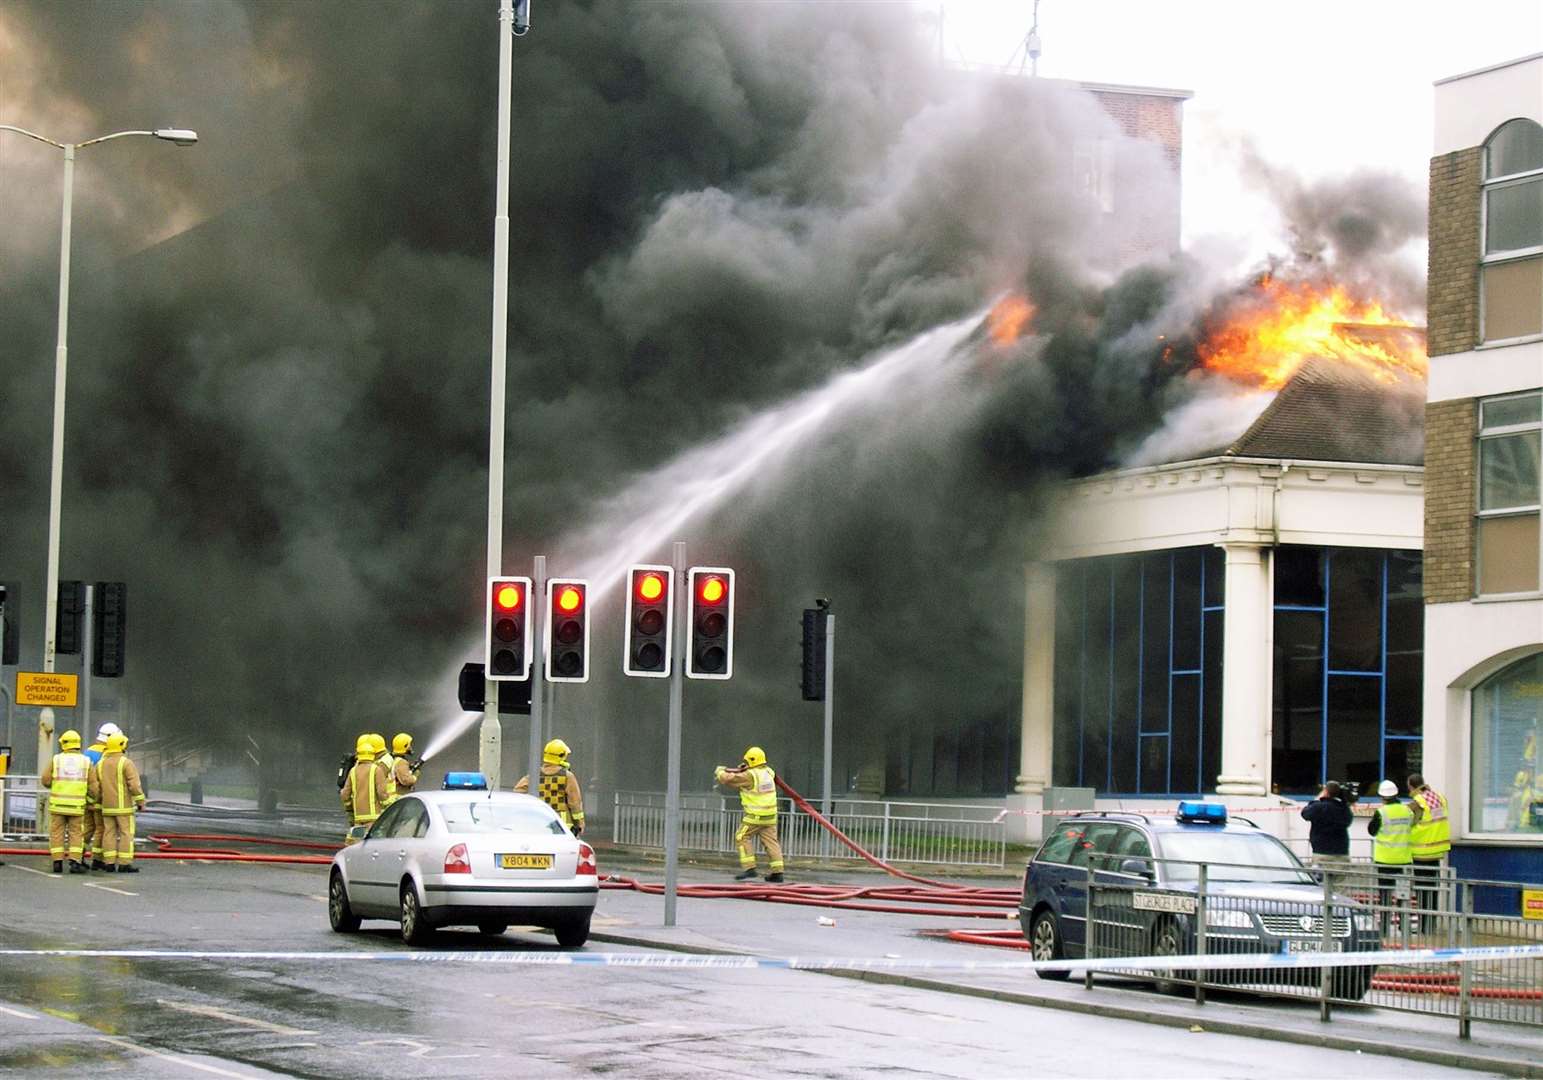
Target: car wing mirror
(1136, 868)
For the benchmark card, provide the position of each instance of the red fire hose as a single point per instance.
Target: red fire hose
(166, 848)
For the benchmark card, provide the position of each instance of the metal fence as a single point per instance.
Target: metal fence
(950, 835)
(1227, 910)
(18, 805)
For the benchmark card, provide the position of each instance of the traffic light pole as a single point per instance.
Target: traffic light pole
(87, 645)
(537, 662)
(830, 708)
(490, 738)
(672, 762)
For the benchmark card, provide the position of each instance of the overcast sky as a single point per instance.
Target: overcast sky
(1323, 86)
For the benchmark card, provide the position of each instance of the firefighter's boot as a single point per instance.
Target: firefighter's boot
(746, 875)
(58, 866)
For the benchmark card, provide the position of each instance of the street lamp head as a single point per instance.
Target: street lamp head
(180, 136)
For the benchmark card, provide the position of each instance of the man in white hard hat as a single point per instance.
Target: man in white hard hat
(1391, 828)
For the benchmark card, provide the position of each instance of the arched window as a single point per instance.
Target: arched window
(1513, 231)
(1505, 796)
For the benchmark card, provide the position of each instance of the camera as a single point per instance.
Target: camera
(1349, 791)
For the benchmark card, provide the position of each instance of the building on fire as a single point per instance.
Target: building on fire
(1484, 567)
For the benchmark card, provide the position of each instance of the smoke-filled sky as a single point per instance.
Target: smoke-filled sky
(279, 341)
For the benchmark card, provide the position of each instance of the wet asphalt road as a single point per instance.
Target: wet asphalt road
(325, 1016)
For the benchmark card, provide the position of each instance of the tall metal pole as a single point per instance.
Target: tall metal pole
(490, 737)
(538, 617)
(87, 641)
(830, 698)
(672, 764)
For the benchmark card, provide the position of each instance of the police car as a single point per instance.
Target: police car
(1259, 896)
(466, 856)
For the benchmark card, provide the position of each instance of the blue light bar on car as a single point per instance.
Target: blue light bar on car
(1202, 813)
(465, 781)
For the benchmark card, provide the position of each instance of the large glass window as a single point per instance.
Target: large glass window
(1504, 795)
(1510, 493)
(1348, 657)
(1138, 672)
(1512, 274)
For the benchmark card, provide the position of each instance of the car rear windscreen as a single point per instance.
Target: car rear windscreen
(484, 816)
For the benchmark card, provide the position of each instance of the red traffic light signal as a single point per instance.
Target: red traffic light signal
(650, 626)
(567, 626)
(711, 651)
(506, 636)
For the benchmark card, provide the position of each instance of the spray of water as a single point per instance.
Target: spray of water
(655, 509)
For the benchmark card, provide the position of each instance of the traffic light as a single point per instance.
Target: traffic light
(813, 665)
(650, 622)
(711, 652)
(108, 627)
(72, 606)
(10, 626)
(567, 621)
(513, 697)
(507, 634)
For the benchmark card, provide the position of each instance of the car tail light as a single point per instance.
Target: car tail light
(587, 860)
(457, 861)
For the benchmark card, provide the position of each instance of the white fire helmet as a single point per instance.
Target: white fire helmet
(107, 730)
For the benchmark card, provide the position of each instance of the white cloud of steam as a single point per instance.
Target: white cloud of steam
(1206, 424)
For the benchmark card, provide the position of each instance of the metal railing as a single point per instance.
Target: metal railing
(18, 804)
(947, 835)
(1354, 908)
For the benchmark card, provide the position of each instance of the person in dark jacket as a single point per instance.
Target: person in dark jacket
(1330, 817)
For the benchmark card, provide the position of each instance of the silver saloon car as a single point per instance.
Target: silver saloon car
(479, 858)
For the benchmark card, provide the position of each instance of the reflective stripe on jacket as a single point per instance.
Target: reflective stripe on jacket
(759, 800)
(67, 777)
(388, 765)
(364, 796)
(117, 786)
(1390, 846)
(1431, 836)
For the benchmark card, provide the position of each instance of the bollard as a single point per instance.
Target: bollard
(196, 791)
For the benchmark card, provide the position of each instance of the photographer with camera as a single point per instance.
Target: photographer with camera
(1330, 817)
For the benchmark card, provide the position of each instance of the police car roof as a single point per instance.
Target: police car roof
(1167, 822)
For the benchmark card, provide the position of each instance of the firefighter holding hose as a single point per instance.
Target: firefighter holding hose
(757, 786)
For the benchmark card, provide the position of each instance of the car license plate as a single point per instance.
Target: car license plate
(1313, 945)
(525, 862)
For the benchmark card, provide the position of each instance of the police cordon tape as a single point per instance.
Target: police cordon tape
(744, 962)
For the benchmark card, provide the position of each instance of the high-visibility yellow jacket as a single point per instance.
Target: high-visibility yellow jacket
(757, 792)
(1390, 845)
(559, 789)
(67, 780)
(115, 785)
(364, 796)
(1431, 836)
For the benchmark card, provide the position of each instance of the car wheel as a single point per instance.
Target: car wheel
(572, 934)
(492, 929)
(1352, 984)
(339, 913)
(1045, 940)
(1167, 940)
(416, 928)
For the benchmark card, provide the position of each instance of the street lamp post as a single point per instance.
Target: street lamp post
(178, 137)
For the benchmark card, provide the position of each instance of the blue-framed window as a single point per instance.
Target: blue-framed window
(1138, 672)
(1349, 631)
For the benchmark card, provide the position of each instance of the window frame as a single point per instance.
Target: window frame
(1463, 824)
(1487, 259)
(1480, 514)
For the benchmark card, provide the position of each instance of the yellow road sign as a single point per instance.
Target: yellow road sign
(46, 688)
(1532, 903)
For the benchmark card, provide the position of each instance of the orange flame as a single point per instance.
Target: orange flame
(1009, 319)
(1262, 342)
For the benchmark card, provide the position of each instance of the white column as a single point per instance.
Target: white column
(1038, 720)
(1246, 673)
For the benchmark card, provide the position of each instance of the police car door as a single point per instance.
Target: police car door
(1118, 929)
(373, 864)
(1096, 840)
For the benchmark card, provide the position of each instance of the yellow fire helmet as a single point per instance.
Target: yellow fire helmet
(377, 743)
(402, 743)
(70, 740)
(364, 748)
(555, 752)
(117, 744)
(755, 756)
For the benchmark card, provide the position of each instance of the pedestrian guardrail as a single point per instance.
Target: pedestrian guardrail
(1224, 909)
(946, 834)
(18, 804)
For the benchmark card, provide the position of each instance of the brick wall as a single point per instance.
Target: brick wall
(1452, 288)
(1449, 480)
(1159, 119)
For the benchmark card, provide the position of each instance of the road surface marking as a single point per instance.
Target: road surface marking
(108, 888)
(234, 1018)
(29, 870)
(18, 1013)
(173, 1058)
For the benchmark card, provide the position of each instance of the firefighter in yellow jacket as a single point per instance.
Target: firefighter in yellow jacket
(115, 787)
(66, 777)
(558, 787)
(364, 794)
(400, 777)
(757, 786)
